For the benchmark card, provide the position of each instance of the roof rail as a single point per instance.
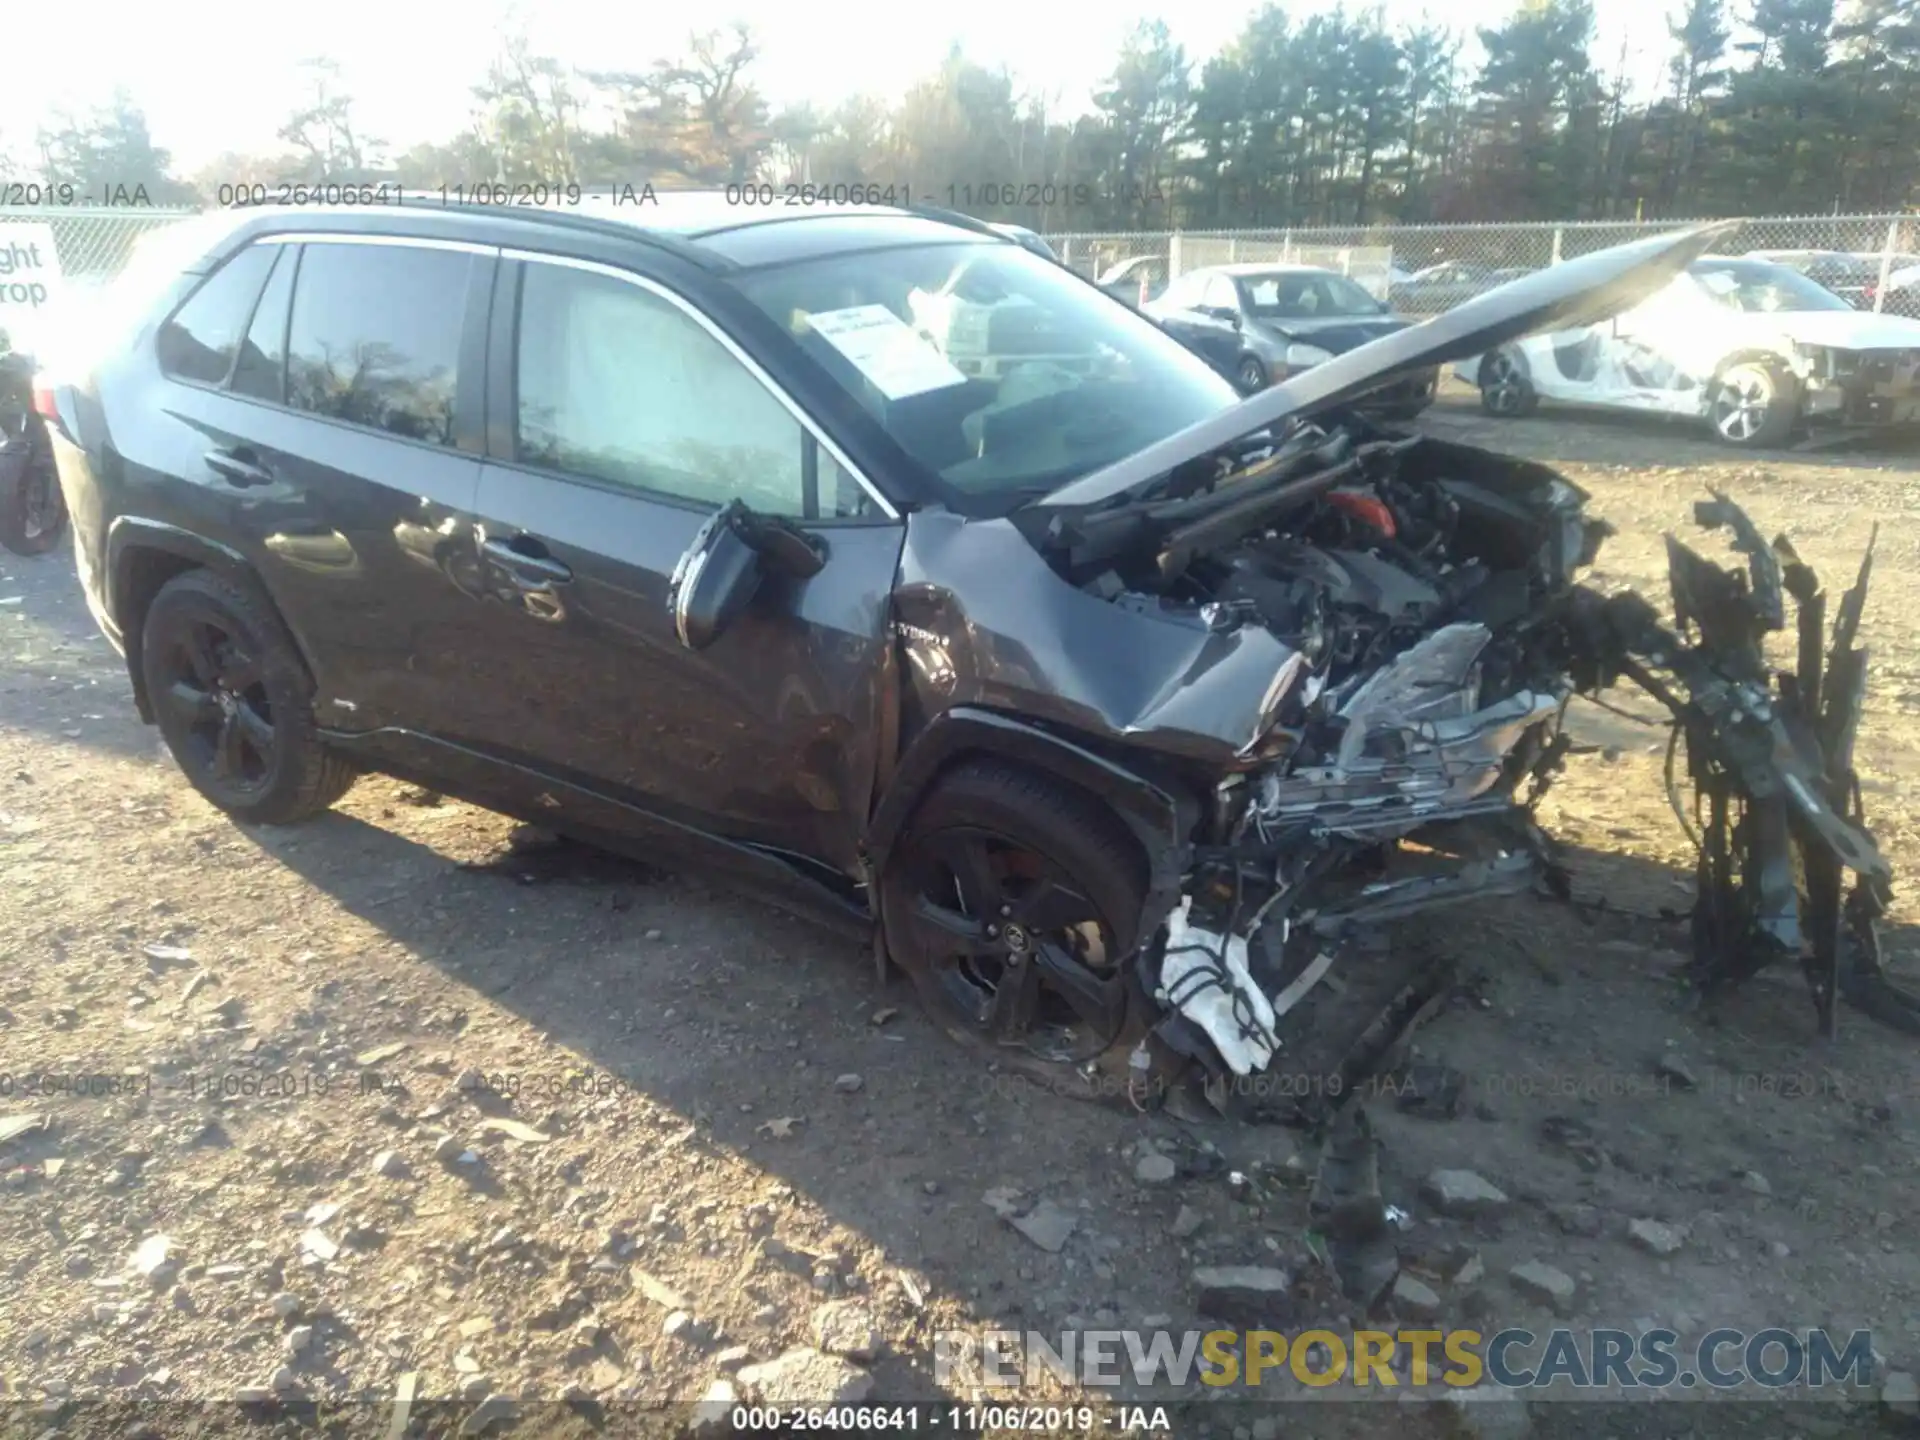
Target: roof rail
(956, 218)
(576, 219)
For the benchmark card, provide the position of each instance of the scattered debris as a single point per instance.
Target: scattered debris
(1186, 1223)
(151, 1256)
(846, 1328)
(12, 1127)
(403, 1393)
(1154, 1168)
(1245, 1294)
(713, 1411)
(805, 1376)
(1901, 1395)
(490, 1411)
(1676, 1072)
(1462, 1194)
(390, 1164)
(514, 1130)
(1542, 1282)
(1414, 1298)
(781, 1127)
(1654, 1236)
(849, 1084)
(1047, 1224)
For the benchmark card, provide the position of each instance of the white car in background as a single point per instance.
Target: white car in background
(1754, 348)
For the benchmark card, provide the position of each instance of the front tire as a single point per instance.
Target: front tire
(1011, 902)
(1756, 404)
(1250, 375)
(1506, 389)
(234, 704)
(33, 511)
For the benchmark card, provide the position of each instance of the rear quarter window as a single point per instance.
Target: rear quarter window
(199, 340)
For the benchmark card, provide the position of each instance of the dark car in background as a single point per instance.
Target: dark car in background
(1284, 319)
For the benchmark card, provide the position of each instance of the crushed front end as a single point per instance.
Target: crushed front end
(1423, 591)
(1425, 598)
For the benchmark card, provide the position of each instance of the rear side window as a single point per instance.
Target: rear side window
(199, 342)
(375, 336)
(261, 370)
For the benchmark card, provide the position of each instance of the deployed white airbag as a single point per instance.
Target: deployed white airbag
(1204, 976)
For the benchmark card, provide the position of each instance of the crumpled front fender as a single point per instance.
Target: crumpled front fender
(983, 621)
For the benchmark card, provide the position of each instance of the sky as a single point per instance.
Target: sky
(213, 79)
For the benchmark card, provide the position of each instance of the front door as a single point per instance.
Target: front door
(630, 421)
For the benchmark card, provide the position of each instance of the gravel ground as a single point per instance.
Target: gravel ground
(389, 1104)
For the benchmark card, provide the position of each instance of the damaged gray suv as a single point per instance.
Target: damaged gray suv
(865, 552)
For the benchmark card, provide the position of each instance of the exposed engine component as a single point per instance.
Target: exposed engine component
(1425, 593)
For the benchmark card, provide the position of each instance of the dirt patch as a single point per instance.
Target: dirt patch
(403, 1102)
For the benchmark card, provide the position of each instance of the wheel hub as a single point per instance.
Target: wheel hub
(1017, 940)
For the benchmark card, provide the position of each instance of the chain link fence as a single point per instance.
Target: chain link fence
(1420, 269)
(1424, 269)
(52, 258)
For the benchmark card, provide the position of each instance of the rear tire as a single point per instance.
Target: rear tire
(1506, 389)
(33, 510)
(1755, 405)
(1011, 901)
(234, 703)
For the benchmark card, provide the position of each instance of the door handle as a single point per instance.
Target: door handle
(526, 569)
(239, 467)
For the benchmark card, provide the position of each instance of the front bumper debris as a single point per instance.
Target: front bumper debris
(1421, 807)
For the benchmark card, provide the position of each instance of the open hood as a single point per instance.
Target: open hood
(1561, 297)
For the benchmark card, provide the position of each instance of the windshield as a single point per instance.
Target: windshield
(1003, 375)
(1758, 286)
(1306, 295)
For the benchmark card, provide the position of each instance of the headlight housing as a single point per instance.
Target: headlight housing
(1300, 355)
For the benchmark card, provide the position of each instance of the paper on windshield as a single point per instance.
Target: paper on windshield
(1719, 282)
(884, 348)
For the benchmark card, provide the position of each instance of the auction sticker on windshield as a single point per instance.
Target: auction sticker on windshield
(884, 348)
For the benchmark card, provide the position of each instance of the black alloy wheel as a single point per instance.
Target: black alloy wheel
(234, 703)
(215, 699)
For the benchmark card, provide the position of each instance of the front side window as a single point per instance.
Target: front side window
(375, 336)
(620, 385)
(199, 341)
(1308, 295)
(1001, 375)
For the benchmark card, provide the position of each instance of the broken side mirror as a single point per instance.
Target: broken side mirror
(724, 566)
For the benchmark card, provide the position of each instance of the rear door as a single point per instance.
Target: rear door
(624, 418)
(332, 434)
